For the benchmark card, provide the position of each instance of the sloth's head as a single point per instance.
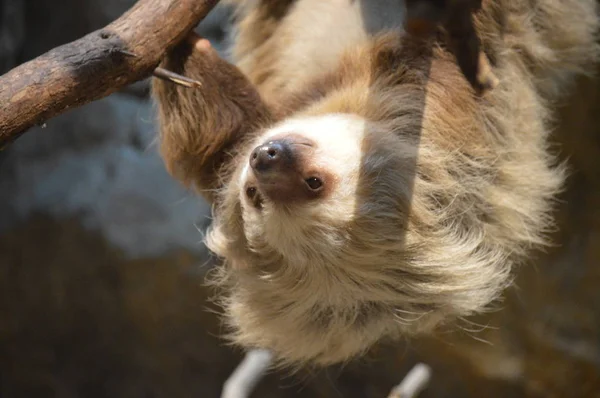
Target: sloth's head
(301, 184)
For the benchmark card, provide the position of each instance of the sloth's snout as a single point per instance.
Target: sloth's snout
(282, 171)
(271, 156)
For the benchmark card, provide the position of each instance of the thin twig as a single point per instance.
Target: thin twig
(176, 78)
(244, 378)
(167, 75)
(414, 382)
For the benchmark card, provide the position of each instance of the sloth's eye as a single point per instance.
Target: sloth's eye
(314, 183)
(251, 192)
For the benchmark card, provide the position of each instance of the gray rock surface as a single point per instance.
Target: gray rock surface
(100, 163)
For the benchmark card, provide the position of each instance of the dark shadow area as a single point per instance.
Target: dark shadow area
(391, 20)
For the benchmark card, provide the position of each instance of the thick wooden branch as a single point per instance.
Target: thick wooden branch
(104, 61)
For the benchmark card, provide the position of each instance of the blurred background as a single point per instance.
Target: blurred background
(101, 262)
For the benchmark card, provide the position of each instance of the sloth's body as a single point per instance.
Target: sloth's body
(361, 189)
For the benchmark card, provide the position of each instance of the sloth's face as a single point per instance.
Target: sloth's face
(303, 162)
(302, 175)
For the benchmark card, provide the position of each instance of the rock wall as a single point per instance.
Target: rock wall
(101, 263)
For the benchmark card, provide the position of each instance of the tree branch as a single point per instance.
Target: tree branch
(104, 61)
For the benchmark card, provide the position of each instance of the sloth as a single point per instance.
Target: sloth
(361, 189)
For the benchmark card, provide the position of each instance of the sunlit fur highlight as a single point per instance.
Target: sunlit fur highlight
(450, 191)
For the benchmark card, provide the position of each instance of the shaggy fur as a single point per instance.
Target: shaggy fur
(437, 194)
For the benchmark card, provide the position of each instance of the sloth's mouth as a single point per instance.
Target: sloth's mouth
(255, 197)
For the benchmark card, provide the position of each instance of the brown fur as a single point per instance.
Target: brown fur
(193, 157)
(452, 190)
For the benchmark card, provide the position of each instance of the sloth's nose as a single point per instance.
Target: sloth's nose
(271, 155)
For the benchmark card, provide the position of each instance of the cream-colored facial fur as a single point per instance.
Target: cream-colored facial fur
(337, 148)
(440, 194)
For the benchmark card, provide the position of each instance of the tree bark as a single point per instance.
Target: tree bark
(97, 65)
